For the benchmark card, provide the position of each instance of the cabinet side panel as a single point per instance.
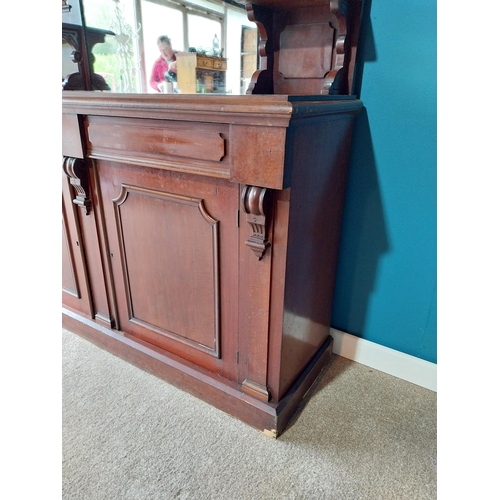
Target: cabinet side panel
(320, 158)
(279, 249)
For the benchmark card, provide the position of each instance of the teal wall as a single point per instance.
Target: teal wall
(386, 277)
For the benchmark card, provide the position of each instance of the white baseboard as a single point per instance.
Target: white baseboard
(384, 359)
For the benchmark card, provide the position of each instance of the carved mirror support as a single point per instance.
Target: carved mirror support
(78, 59)
(306, 48)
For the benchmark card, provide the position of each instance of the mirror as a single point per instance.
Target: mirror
(70, 59)
(213, 45)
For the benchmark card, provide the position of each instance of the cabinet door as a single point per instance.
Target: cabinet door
(173, 240)
(75, 285)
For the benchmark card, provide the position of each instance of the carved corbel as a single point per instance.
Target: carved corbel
(75, 169)
(255, 202)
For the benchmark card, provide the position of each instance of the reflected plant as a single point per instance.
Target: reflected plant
(125, 36)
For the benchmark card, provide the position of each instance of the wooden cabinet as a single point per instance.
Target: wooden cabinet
(203, 232)
(201, 73)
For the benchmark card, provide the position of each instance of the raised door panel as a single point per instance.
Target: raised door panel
(172, 239)
(181, 240)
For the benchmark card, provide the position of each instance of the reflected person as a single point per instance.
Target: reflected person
(166, 62)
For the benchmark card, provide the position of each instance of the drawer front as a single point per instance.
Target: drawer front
(205, 62)
(220, 65)
(199, 148)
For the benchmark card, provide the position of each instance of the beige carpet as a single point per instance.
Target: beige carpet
(362, 434)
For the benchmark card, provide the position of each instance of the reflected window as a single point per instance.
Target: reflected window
(117, 60)
(125, 59)
(202, 32)
(158, 20)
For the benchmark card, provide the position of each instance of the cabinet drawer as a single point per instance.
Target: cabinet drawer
(220, 64)
(169, 145)
(205, 62)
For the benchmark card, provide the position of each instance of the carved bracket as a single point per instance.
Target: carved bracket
(255, 202)
(75, 169)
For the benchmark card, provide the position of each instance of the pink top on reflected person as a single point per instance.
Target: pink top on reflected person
(160, 66)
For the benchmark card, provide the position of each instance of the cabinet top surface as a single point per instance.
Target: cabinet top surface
(270, 110)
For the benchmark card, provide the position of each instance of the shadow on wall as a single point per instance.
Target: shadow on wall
(366, 47)
(364, 236)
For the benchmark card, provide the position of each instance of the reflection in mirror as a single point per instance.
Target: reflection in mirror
(213, 45)
(70, 58)
(77, 45)
(74, 66)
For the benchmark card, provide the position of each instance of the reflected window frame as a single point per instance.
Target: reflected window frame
(227, 10)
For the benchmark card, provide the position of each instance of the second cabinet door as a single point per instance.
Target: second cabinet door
(173, 245)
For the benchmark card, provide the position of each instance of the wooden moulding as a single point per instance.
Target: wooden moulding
(269, 417)
(264, 110)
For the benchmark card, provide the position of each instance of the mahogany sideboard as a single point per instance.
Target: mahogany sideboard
(200, 239)
(201, 232)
